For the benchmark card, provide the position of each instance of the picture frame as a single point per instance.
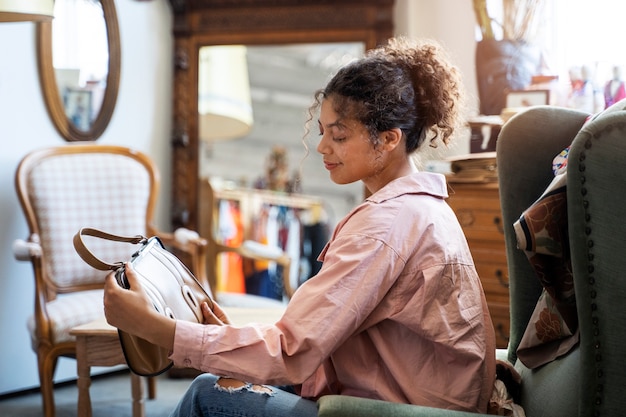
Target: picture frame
(78, 107)
(527, 98)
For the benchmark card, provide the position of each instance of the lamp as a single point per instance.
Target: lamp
(224, 102)
(26, 10)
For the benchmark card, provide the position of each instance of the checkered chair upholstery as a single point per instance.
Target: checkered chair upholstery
(62, 189)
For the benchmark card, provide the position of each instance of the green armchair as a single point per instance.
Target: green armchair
(589, 380)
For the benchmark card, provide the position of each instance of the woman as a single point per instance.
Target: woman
(397, 311)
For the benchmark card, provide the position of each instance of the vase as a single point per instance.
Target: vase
(503, 66)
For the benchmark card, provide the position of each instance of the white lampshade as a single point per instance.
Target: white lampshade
(26, 10)
(224, 102)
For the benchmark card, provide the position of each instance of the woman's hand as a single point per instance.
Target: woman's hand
(215, 316)
(131, 310)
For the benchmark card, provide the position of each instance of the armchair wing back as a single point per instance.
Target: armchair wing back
(597, 211)
(586, 381)
(525, 149)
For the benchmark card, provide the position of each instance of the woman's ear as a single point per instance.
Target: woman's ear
(391, 138)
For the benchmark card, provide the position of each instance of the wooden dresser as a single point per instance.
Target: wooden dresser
(477, 206)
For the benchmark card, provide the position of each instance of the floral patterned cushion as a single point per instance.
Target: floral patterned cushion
(543, 235)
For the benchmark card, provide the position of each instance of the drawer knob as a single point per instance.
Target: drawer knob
(498, 223)
(501, 333)
(501, 279)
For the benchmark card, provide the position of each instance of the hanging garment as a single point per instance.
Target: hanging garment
(292, 246)
(230, 232)
(314, 239)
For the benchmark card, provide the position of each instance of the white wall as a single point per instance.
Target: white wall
(451, 23)
(141, 120)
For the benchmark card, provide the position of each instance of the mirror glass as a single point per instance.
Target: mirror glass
(79, 55)
(283, 80)
(80, 59)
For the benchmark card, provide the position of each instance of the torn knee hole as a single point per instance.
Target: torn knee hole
(231, 384)
(261, 388)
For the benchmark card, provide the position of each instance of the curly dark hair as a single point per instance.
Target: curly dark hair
(404, 84)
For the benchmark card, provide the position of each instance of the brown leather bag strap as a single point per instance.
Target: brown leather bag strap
(90, 258)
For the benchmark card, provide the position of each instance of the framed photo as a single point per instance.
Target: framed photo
(78, 107)
(527, 98)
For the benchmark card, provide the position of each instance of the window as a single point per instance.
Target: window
(586, 33)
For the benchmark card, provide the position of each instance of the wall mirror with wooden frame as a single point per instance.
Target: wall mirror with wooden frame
(262, 24)
(79, 66)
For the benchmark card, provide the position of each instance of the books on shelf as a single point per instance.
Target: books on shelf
(474, 167)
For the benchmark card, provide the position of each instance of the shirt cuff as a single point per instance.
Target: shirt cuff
(188, 347)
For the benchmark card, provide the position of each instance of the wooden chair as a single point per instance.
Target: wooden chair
(62, 189)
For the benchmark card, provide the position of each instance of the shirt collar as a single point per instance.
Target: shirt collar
(418, 183)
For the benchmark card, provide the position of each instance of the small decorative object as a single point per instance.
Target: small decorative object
(277, 173)
(277, 170)
(583, 92)
(78, 107)
(527, 98)
(614, 90)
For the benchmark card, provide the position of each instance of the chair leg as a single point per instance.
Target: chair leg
(136, 383)
(47, 365)
(151, 387)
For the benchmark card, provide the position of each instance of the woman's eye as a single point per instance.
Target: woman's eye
(341, 139)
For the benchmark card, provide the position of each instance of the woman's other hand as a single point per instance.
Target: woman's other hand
(215, 316)
(131, 311)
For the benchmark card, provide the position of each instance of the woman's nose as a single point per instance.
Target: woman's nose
(322, 145)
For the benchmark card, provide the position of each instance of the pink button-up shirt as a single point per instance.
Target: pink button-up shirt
(397, 312)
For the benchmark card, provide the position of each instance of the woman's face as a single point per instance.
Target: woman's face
(345, 145)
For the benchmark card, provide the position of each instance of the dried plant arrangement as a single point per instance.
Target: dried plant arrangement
(521, 19)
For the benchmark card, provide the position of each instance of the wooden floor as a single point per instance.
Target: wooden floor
(110, 396)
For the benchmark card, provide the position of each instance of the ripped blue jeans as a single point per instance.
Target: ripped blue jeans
(211, 396)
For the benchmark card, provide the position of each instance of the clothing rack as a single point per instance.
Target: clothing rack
(250, 200)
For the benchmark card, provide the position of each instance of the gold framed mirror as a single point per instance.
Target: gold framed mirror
(80, 89)
(243, 22)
